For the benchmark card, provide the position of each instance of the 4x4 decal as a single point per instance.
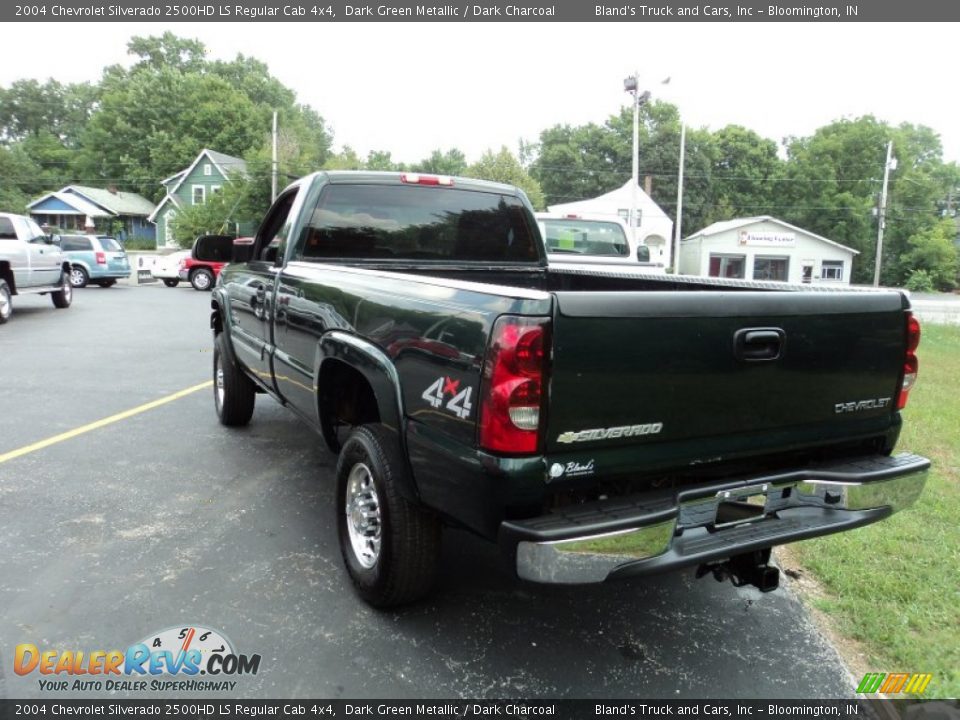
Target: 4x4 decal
(459, 404)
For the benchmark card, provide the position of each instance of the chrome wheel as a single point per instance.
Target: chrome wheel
(220, 389)
(5, 305)
(364, 524)
(78, 277)
(202, 280)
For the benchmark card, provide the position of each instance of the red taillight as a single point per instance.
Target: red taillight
(101, 258)
(418, 179)
(513, 377)
(910, 362)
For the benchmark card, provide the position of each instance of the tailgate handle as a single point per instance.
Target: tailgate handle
(753, 344)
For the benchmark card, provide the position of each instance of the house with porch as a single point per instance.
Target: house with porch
(80, 208)
(205, 177)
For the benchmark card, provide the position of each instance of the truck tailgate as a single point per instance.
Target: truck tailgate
(699, 376)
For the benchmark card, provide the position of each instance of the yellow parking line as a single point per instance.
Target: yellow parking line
(19, 452)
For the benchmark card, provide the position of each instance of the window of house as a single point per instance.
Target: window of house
(207, 169)
(624, 214)
(728, 266)
(831, 270)
(771, 268)
(214, 189)
(199, 194)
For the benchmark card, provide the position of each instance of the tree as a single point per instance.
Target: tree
(346, 159)
(933, 252)
(167, 51)
(221, 212)
(156, 122)
(154, 119)
(19, 174)
(451, 162)
(381, 160)
(834, 179)
(504, 167)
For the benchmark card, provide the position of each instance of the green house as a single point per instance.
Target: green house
(205, 177)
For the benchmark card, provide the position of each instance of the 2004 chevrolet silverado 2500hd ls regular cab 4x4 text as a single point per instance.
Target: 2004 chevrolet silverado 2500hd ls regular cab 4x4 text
(595, 425)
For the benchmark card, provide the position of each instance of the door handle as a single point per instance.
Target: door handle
(758, 344)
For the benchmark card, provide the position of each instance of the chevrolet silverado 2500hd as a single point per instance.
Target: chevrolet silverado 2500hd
(596, 425)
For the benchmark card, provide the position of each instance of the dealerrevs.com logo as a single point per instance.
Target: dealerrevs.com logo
(170, 660)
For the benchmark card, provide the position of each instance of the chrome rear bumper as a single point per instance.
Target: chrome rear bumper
(595, 542)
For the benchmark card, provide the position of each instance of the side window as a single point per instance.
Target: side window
(272, 236)
(34, 231)
(6, 229)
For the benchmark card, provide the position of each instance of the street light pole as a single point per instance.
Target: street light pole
(883, 215)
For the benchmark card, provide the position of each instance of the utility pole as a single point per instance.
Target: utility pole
(632, 86)
(676, 228)
(883, 214)
(273, 173)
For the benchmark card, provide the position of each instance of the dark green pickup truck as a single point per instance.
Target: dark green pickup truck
(595, 425)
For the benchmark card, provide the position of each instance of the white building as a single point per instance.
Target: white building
(654, 227)
(764, 248)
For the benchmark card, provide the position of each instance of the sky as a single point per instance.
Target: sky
(410, 88)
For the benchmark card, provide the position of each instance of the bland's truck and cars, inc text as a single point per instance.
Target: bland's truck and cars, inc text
(595, 424)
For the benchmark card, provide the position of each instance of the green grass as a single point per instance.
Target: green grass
(895, 586)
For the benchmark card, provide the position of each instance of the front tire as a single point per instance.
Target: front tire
(233, 392)
(390, 545)
(202, 280)
(171, 282)
(64, 296)
(6, 302)
(79, 277)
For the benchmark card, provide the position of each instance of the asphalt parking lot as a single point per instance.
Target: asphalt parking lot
(166, 519)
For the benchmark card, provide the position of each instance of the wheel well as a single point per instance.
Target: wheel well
(345, 397)
(7, 274)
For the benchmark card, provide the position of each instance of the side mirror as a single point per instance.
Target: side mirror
(48, 240)
(643, 253)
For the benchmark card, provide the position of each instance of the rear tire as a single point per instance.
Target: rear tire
(202, 280)
(64, 296)
(6, 302)
(390, 545)
(171, 282)
(234, 393)
(79, 277)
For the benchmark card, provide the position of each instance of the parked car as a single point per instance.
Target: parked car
(95, 258)
(30, 263)
(167, 268)
(593, 242)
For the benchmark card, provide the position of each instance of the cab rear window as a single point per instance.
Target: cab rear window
(417, 223)
(585, 237)
(6, 229)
